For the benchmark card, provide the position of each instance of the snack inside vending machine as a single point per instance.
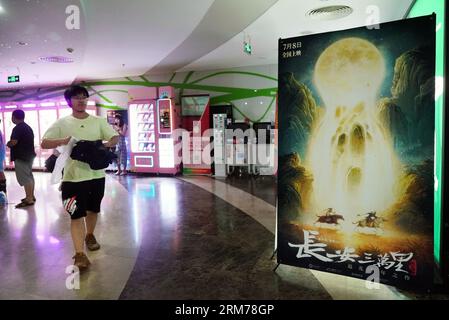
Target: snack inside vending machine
(143, 136)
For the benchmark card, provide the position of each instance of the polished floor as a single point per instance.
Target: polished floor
(162, 238)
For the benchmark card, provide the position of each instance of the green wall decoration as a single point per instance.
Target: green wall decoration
(226, 93)
(421, 8)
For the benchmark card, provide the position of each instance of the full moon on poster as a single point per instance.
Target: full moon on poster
(356, 151)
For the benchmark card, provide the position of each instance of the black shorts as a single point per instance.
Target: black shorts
(79, 197)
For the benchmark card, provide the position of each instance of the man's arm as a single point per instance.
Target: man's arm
(54, 143)
(112, 142)
(12, 143)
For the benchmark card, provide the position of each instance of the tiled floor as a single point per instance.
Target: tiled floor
(262, 187)
(162, 238)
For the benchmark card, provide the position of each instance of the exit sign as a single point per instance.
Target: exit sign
(247, 48)
(13, 79)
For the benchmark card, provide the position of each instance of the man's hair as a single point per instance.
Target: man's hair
(18, 114)
(120, 119)
(74, 91)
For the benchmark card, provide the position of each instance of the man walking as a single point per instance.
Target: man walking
(22, 153)
(82, 187)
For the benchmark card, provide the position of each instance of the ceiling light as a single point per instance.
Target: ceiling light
(22, 43)
(330, 12)
(48, 104)
(1, 9)
(56, 59)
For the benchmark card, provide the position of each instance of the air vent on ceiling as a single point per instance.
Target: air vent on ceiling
(56, 59)
(330, 12)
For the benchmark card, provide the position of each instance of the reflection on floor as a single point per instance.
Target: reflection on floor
(36, 245)
(162, 238)
(262, 187)
(239, 192)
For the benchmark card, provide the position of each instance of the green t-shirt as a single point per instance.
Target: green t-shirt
(91, 128)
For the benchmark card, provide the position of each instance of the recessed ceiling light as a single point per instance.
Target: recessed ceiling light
(1, 9)
(330, 12)
(56, 59)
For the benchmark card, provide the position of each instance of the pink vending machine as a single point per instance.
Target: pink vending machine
(168, 121)
(142, 131)
(151, 125)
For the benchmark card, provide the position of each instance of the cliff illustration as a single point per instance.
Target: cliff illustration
(298, 115)
(410, 111)
(295, 186)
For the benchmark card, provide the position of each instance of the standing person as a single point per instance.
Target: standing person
(22, 153)
(2, 162)
(122, 152)
(82, 187)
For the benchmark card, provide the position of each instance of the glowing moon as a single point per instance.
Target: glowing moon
(349, 70)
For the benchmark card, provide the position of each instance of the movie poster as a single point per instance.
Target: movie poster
(356, 152)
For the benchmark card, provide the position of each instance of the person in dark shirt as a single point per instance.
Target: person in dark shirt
(22, 153)
(2, 161)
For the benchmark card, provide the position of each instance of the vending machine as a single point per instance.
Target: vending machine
(151, 131)
(168, 120)
(142, 133)
(153, 119)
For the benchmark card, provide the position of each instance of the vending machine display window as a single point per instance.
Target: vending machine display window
(142, 129)
(164, 107)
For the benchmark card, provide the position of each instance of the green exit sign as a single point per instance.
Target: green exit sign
(13, 79)
(247, 48)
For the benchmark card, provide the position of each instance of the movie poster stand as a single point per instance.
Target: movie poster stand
(356, 162)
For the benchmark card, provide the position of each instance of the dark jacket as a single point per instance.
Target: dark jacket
(24, 149)
(93, 153)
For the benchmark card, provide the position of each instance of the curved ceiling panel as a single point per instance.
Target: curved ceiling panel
(126, 38)
(288, 18)
(119, 38)
(223, 21)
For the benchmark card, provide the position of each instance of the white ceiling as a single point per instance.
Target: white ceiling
(288, 18)
(129, 38)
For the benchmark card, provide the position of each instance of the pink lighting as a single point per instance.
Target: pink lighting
(53, 240)
(40, 115)
(48, 104)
